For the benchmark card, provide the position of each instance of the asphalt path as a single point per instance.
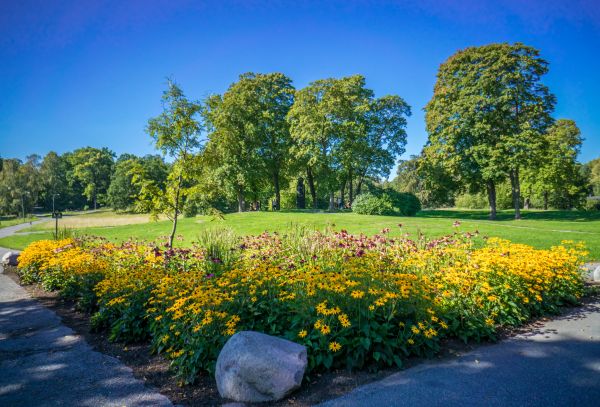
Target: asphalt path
(556, 364)
(45, 363)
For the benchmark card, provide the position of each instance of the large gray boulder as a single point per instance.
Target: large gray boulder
(254, 367)
(10, 259)
(596, 274)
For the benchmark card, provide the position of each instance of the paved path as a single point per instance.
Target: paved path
(44, 363)
(9, 230)
(556, 365)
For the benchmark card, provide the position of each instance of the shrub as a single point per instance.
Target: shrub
(471, 201)
(190, 209)
(369, 204)
(592, 204)
(405, 203)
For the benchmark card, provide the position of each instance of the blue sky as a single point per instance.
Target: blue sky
(78, 73)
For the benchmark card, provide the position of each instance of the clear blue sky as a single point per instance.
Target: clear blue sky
(78, 73)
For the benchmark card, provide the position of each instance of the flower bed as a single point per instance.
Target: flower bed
(353, 301)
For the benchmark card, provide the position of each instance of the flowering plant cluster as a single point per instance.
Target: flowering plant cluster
(353, 301)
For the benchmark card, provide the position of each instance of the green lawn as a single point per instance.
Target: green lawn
(541, 229)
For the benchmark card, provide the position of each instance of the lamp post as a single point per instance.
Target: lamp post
(54, 214)
(23, 203)
(54, 196)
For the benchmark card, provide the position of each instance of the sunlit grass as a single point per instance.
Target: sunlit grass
(541, 229)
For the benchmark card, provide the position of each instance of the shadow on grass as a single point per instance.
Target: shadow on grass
(571, 216)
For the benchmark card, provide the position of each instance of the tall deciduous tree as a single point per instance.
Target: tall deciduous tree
(249, 136)
(123, 192)
(342, 132)
(53, 174)
(557, 175)
(93, 167)
(176, 134)
(592, 169)
(489, 113)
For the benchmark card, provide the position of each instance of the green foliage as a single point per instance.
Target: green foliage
(489, 113)
(558, 179)
(593, 171)
(471, 201)
(249, 141)
(405, 203)
(592, 204)
(92, 168)
(130, 174)
(427, 180)
(176, 133)
(369, 204)
(343, 134)
(20, 186)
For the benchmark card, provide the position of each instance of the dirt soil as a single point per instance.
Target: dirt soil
(154, 369)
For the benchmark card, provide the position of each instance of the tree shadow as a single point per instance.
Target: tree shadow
(44, 363)
(563, 371)
(554, 215)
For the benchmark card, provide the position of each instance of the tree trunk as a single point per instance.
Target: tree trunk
(545, 200)
(342, 193)
(331, 200)
(491, 190)
(176, 207)
(515, 188)
(350, 189)
(240, 198)
(277, 201)
(95, 201)
(311, 187)
(300, 194)
(359, 186)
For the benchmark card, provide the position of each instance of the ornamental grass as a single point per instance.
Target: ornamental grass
(354, 301)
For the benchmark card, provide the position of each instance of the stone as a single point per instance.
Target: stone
(254, 367)
(10, 259)
(596, 274)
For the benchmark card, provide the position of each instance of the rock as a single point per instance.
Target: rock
(10, 259)
(596, 274)
(254, 367)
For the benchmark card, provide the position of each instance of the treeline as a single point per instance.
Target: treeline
(263, 144)
(558, 181)
(81, 179)
(260, 145)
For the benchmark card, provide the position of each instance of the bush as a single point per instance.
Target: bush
(592, 204)
(190, 209)
(406, 203)
(369, 204)
(471, 201)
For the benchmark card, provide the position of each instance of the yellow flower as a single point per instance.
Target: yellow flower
(334, 346)
(302, 333)
(415, 330)
(356, 294)
(343, 318)
(325, 329)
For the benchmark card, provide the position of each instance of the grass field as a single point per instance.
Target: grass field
(541, 229)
